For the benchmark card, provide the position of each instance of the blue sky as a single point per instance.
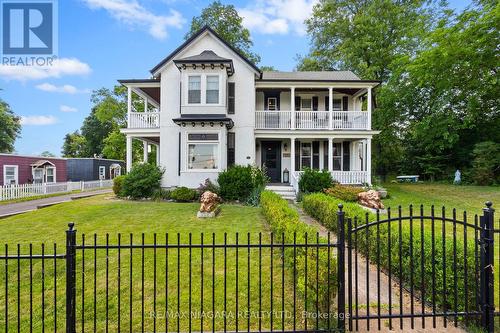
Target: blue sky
(101, 41)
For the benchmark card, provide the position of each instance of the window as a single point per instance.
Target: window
(337, 156)
(102, 172)
(10, 174)
(38, 176)
(203, 151)
(305, 155)
(212, 89)
(337, 104)
(194, 90)
(306, 104)
(272, 103)
(51, 175)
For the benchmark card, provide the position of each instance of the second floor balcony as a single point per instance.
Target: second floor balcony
(312, 120)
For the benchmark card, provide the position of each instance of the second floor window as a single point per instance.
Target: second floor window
(194, 90)
(212, 89)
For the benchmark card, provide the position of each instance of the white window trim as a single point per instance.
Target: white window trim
(310, 156)
(46, 175)
(187, 142)
(203, 87)
(275, 103)
(16, 173)
(218, 88)
(104, 173)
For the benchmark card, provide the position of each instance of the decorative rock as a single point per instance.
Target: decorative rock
(209, 205)
(370, 199)
(382, 192)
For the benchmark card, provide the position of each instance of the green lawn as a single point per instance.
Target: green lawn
(104, 215)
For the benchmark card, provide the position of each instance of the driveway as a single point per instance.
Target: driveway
(26, 206)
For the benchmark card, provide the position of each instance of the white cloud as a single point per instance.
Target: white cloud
(38, 120)
(277, 16)
(59, 68)
(134, 14)
(65, 89)
(65, 108)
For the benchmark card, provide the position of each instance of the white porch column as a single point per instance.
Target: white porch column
(369, 123)
(369, 161)
(129, 153)
(330, 154)
(157, 155)
(145, 105)
(292, 155)
(292, 103)
(145, 152)
(330, 107)
(129, 105)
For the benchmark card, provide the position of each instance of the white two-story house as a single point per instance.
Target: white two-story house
(207, 107)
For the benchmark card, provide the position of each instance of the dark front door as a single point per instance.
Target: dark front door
(271, 159)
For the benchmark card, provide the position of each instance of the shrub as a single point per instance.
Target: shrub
(324, 208)
(313, 181)
(118, 186)
(486, 163)
(286, 224)
(254, 197)
(346, 193)
(207, 185)
(161, 194)
(238, 182)
(183, 194)
(142, 181)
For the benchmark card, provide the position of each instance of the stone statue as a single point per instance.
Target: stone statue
(370, 199)
(458, 177)
(209, 205)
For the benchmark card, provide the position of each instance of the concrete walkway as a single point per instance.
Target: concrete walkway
(27, 206)
(368, 297)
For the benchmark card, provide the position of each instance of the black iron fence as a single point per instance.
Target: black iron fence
(418, 270)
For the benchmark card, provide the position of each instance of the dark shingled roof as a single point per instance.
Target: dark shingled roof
(310, 76)
(206, 56)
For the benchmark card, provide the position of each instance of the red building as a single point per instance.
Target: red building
(17, 169)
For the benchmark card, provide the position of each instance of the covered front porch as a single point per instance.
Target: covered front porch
(348, 159)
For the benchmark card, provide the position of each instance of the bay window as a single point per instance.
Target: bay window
(203, 151)
(194, 89)
(212, 89)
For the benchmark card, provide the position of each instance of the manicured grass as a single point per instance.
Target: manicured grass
(146, 292)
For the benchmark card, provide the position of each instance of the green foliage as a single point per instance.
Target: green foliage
(74, 145)
(254, 197)
(10, 128)
(314, 181)
(142, 181)
(208, 185)
(161, 194)
(118, 185)
(486, 163)
(324, 208)
(94, 131)
(238, 182)
(345, 193)
(286, 224)
(225, 20)
(183, 194)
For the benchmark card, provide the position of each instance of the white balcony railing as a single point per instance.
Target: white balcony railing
(312, 120)
(144, 120)
(343, 177)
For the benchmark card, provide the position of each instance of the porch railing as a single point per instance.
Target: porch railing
(144, 120)
(312, 120)
(343, 177)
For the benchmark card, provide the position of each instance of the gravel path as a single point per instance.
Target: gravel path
(368, 296)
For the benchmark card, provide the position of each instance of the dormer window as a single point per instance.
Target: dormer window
(194, 89)
(212, 89)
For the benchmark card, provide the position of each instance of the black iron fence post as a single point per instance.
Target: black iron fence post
(71, 279)
(341, 268)
(486, 276)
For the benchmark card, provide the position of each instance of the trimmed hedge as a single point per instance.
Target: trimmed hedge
(324, 208)
(285, 221)
(346, 193)
(312, 181)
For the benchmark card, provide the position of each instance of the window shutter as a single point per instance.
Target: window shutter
(347, 155)
(345, 103)
(315, 103)
(297, 155)
(230, 97)
(325, 155)
(230, 149)
(315, 153)
(297, 103)
(327, 103)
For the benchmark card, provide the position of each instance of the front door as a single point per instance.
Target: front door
(271, 159)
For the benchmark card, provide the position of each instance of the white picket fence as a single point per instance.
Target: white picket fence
(12, 192)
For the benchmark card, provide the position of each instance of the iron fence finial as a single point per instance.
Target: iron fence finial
(71, 225)
(341, 206)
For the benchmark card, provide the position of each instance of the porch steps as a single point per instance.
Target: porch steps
(285, 191)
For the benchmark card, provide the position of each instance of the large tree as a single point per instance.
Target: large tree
(225, 20)
(95, 131)
(74, 145)
(10, 128)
